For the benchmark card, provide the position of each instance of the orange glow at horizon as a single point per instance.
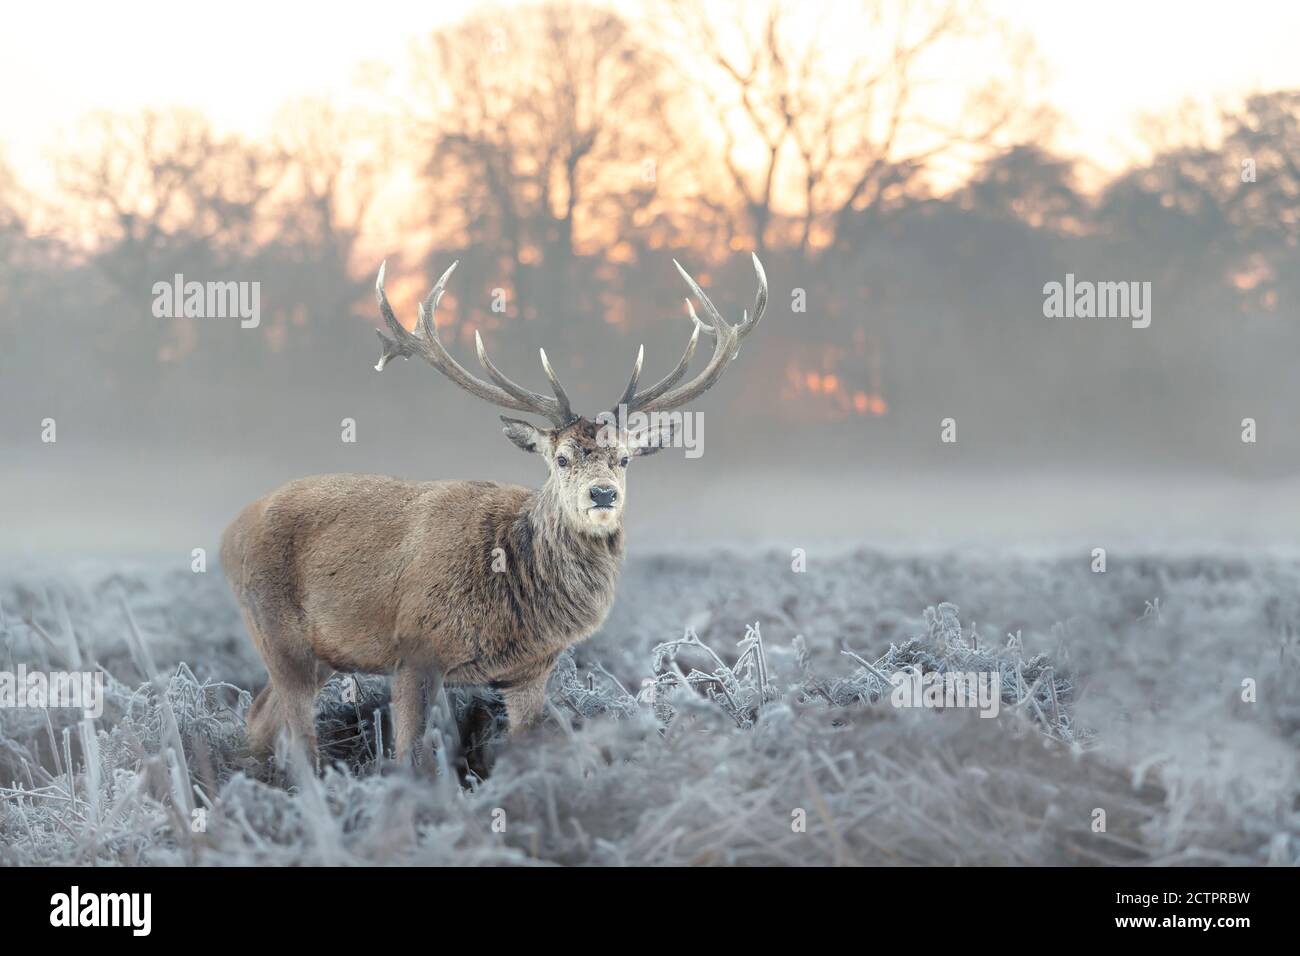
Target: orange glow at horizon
(826, 396)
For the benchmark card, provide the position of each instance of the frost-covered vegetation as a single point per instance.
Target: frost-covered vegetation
(730, 711)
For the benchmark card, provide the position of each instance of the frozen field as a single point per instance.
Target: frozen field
(1122, 694)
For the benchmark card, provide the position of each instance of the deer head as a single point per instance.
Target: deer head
(587, 459)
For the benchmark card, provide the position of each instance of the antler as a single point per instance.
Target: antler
(662, 396)
(424, 342)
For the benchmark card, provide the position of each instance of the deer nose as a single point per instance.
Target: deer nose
(603, 496)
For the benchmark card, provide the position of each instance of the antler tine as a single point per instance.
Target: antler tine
(425, 343)
(549, 407)
(749, 323)
(390, 348)
(630, 391)
(561, 398)
(710, 309)
(673, 377)
(690, 310)
(760, 303)
(431, 302)
(725, 346)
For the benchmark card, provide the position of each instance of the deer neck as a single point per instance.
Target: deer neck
(576, 571)
(555, 539)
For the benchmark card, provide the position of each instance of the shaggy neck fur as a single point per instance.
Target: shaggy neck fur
(567, 577)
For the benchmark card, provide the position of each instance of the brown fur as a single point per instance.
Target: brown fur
(375, 574)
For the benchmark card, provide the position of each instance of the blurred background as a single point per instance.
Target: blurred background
(910, 173)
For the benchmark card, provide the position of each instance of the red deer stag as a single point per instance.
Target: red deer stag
(468, 582)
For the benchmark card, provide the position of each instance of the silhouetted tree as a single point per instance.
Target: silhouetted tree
(810, 138)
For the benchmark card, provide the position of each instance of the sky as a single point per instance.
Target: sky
(1109, 63)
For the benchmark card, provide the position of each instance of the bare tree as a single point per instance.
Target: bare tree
(826, 110)
(332, 162)
(155, 188)
(552, 135)
(1262, 149)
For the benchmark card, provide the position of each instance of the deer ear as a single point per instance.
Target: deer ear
(652, 439)
(526, 436)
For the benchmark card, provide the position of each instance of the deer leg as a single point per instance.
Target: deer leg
(262, 723)
(287, 705)
(285, 708)
(298, 713)
(525, 701)
(414, 689)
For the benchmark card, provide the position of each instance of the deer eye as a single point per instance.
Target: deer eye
(562, 461)
(622, 462)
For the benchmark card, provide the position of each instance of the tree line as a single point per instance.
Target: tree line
(564, 153)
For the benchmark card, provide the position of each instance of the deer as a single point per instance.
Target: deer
(452, 583)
